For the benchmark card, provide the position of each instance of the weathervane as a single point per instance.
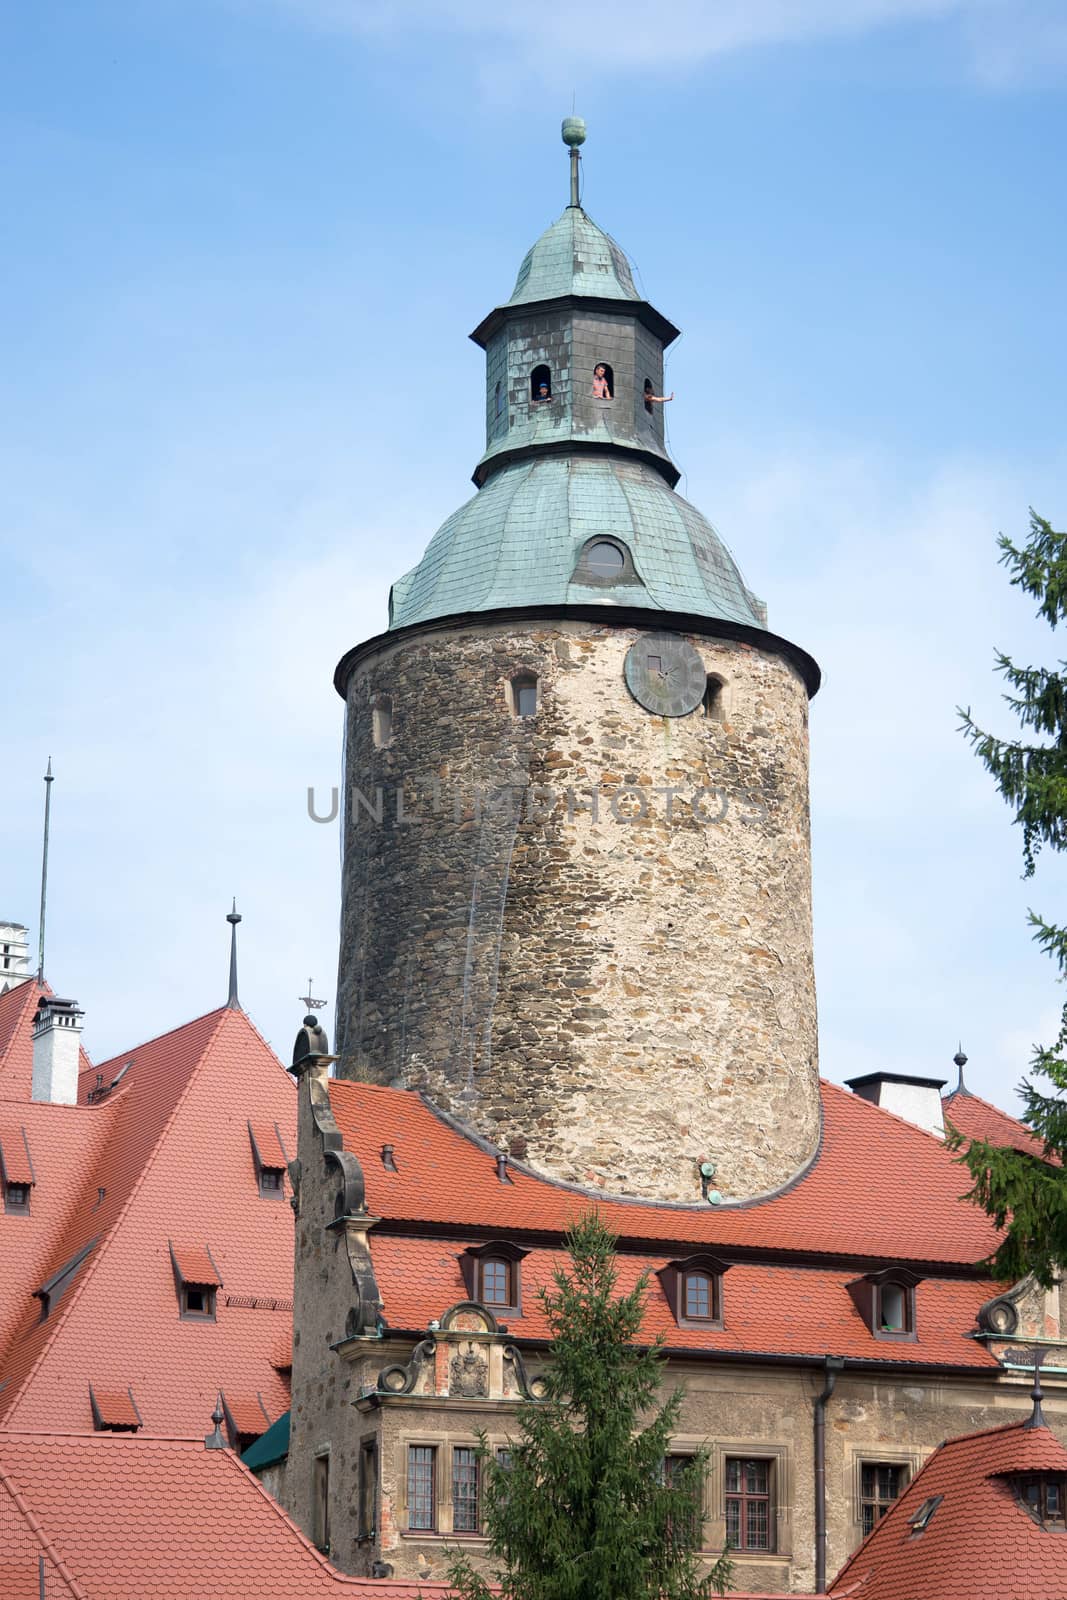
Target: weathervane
(309, 1001)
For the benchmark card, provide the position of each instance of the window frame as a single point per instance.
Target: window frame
(13, 1207)
(474, 1467)
(609, 378)
(866, 1294)
(674, 1277)
(744, 1497)
(713, 705)
(536, 381)
(320, 1501)
(780, 1454)
(471, 1264)
(209, 1311)
(381, 721)
(369, 1478)
(876, 1502)
(1039, 1513)
(435, 1496)
(518, 682)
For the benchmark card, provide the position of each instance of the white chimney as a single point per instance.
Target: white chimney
(14, 955)
(57, 1032)
(917, 1100)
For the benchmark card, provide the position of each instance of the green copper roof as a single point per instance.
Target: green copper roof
(518, 542)
(573, 256)
(270, 1447)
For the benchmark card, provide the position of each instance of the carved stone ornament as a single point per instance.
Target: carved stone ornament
(468, 1317)
(469, 1374)
(515, 1368)
(1000, 1316)
(401, 1379)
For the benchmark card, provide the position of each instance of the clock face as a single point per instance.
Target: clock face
(665, 675)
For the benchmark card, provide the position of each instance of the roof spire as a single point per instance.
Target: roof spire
(48, 782)
(960, 1060)
(1036, 1419)
(215, 1441)
(573, 134)
(233, 918)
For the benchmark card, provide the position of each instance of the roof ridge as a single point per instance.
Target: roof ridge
(914, 1127)
(37, 1529)
(99, 1253)
(969, 1094)
(216, 1011)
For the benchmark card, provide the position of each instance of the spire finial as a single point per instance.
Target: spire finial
(960, 1060)
(215, 1441)
(48, 782)
(233, 918)
(1036, 1419)
(573, 134)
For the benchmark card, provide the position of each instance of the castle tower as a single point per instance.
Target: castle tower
(577, 882)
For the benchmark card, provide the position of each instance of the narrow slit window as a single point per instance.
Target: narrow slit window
(603, 381)
(383, 721)
(649, 392)
(368, 1489)
(321, 1499)
(524, 695)
(713, 700)
(498, 402)
(541, 384)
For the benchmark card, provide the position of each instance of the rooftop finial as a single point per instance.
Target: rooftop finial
(573, 134)
(310, 1003)
(215, 1441)
(1036, 1419)
(960, 1061)
(233, 918)
(48, 782)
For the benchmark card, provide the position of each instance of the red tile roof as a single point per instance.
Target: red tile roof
(194, 1264)
(772, 1310)
(980, 1542)
(264, 1136)
(165, 1156)
(134, 1518)
(879, 1188)
(14, 1151)
(114, 1407)
(121, 1517)
(978, 1119)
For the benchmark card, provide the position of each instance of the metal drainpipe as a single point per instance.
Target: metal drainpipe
(832, 1366)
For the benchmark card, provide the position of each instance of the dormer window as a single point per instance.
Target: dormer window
(268, 1158)
(604, 563)
(541, 384)
(886, 1302)
(197, 1280)
(492, 1275)
(16, 1173)
(1044, 1495)
(693, 1288)
(17, 1198)
(114, 1410)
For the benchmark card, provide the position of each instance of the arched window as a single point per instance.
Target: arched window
(603, 381)
(496, 1281)
(886, 1302)
(648, 391)
(713, 699)
(524, 695)
(700, 1297)
(604, 558)
(541, 384)
(382, 721)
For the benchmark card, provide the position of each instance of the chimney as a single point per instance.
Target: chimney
(57, 1030)
(917, 1100)
(14, 954)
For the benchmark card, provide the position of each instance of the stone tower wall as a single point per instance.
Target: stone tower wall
(585, 933)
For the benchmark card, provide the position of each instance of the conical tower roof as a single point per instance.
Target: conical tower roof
(573, 256)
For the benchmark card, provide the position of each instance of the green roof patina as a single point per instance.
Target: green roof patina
(517, 542)
(573, 256)
(270, 1447)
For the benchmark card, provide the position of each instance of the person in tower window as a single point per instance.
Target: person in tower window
(601, 386)
(542, 393)
(655, 399)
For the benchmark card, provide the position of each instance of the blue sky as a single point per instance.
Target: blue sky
(245, 242)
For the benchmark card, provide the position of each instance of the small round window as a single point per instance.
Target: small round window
(604, 559)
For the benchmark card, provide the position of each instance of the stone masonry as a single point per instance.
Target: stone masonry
(585, 933)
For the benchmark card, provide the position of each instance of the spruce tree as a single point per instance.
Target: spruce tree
(1021, 1191)
(581, 1507)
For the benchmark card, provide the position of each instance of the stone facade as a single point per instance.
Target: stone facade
(586, 933)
